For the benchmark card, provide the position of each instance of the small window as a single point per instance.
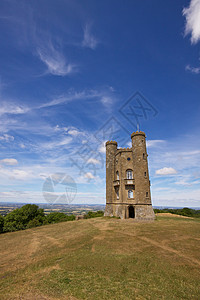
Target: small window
(129, 174)
(128, 158)
(143, 156)
(145, 174)
(147, 194)
(130, 194)
(117, 173)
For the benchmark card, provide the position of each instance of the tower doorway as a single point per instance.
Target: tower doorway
(131, 212)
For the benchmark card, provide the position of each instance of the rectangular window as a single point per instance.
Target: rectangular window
(145, 174)
(130, 194)
(147, 194)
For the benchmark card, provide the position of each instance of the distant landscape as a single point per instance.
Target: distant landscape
(76, 209)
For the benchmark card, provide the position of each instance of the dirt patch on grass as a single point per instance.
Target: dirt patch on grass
(102, 259)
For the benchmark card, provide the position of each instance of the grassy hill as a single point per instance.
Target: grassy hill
(103, 258)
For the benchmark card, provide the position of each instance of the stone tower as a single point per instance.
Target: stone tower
(127, 180)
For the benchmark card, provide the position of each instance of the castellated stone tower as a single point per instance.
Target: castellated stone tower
(127, 180)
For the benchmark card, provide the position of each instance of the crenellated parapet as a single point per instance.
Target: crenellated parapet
(127, 180)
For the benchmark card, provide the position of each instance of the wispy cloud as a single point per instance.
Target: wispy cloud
(155, 143)
(88, 39)
(12, 108)
(9, 161)
(192, 15)
(103, 96)
(54, 60)
(195, 70)
(93, 161)
(6, 137)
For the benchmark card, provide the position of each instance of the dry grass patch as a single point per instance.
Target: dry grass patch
(103, 259)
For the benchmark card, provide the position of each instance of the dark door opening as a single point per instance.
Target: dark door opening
(131, 212)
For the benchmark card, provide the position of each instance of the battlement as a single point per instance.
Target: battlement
(124, 150)
(111, 143)
(138, 133)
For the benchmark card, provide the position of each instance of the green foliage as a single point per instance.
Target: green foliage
(1, 223)
(29, 216)
(94, 214)
(22, 218)
(56, 217)
(187, 212)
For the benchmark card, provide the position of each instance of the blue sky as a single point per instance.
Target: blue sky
(71, 73)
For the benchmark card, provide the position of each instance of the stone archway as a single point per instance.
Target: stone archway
(131, 212)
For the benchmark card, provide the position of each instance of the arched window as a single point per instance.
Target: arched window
(129, 174)
(130, 194)
(117, 173)
(117, 193)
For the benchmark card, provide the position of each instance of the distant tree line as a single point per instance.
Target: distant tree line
(30, 215)
(187, 212)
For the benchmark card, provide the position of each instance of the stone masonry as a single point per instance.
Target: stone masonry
(127, 180)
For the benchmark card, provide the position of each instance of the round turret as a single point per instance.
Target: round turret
(138, 133)
(111, 143)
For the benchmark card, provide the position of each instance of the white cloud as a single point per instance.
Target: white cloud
(166, 171)
(88, 39)
(56, 143)
(106, 100)
(183, 182)
(89, 175)
(19, 174)
(154, 143)
(74, 132)
(9, 161)
(195, 70)
(102, 148)
(93, 161)
(11, 108)
(15, 174)
(192, 15)
(6, 137)
(54, 60)
(22, 146)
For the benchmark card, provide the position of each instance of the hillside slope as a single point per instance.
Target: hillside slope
(102, 259)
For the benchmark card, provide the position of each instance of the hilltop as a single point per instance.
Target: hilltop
(103, 258)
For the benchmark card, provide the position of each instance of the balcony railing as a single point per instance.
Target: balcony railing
(116, 182)
(129, 181)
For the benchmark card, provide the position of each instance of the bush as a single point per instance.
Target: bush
(94, 214)
(56, 217)
(1, 223)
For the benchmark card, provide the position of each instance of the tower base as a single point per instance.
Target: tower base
(127, 211)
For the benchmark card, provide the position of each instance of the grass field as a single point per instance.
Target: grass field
(103, 258)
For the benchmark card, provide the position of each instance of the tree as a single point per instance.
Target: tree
(56, 217)
(19, 218)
